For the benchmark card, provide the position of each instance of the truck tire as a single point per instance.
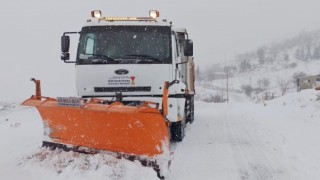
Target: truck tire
(190, 109)
(177, 131)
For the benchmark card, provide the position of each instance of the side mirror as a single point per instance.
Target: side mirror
(188, 47)
(65, 43)
(65, 46)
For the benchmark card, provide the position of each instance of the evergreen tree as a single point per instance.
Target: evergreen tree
(316, 53)
(198, 74)
(244, 66)
(286, 57)
(261, 55)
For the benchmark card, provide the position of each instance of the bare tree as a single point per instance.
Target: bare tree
(286, 57)
(198, 74)
(247, 89)
(316, 52)
(245, 65)
(261, 55)
(284, 86)
(263, 83)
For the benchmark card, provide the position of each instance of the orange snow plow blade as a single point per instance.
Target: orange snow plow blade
(136, 130)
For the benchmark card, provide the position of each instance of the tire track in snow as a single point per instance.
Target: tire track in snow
(228, 142)
(255, 161)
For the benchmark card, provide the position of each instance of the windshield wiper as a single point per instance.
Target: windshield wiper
(101, 59)
(145, 58)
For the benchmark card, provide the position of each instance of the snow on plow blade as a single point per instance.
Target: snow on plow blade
(134, 130)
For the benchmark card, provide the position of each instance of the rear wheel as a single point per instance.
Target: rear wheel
(190, 109)
(177, 131)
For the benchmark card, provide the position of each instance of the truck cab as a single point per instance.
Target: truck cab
(130, 58)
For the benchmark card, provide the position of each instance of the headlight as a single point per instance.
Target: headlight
(96, 14)
(154, 14)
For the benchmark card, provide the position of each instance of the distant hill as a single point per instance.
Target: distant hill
(268, 71)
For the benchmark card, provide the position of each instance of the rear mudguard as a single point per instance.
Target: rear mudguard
(135, 130)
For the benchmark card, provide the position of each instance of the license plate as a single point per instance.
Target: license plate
(69, 101)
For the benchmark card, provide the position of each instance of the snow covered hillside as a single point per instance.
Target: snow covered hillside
(235, 140)
(268, 71)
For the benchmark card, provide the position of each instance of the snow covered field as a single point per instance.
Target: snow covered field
(240, 140)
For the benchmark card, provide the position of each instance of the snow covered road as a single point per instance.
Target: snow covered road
(241, 140)
(226, 146)
(247, 141)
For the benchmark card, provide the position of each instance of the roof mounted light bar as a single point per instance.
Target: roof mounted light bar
(153, 15)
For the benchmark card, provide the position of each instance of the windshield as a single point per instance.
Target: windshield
(125, 45)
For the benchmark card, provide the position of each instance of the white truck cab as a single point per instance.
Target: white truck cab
(128, 59)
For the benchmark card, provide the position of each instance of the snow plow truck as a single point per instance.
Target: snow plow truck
(135, 82)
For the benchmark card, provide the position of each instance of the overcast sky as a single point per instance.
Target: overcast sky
(31, 30)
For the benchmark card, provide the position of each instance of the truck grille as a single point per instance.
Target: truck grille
(123, 89)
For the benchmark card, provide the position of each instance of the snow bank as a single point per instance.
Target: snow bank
(71, 165)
